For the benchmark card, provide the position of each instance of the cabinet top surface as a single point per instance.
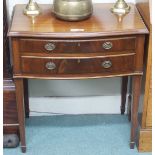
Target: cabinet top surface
(101, 23)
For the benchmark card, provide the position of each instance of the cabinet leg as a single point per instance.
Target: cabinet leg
(129, 100)
(21, 112)
(129, 107)
(26, 98)
(134, 109)
(124, 93)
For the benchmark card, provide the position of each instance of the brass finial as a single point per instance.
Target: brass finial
(120, 7)
(32, 8)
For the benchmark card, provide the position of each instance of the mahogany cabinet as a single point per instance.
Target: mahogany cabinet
(102, 46)
(10, 117)
(145, 131)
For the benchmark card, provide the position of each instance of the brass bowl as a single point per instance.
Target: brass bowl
(72, 10)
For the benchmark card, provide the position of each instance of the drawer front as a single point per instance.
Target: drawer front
(77, 46)
(107, 66)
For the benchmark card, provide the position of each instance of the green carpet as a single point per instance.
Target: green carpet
(77, 135)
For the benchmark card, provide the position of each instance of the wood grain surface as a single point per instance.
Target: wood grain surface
(9, 103)
(145, 138)
(78, 66)
(29, 45)
(101, 23)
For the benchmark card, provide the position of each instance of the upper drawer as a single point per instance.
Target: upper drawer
(77, 46)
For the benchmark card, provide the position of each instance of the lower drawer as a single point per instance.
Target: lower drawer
(111, 65)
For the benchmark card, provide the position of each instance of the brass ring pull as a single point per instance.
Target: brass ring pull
(50, 65)
(50, 46)
(107, 45)
(107, 64)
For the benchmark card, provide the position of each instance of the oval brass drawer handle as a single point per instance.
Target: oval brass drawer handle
(50, 46)
(107, 45)
(107, 64)
(50, 65)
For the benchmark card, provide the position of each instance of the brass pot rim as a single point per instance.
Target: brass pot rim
(72, 12)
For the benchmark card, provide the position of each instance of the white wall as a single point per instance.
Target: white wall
(73, 96)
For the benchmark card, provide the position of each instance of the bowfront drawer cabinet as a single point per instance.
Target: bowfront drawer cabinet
(102, 46)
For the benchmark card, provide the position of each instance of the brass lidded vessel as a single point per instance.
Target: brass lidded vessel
(72, 10)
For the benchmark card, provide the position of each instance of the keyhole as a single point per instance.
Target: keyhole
(78, 61)
(78, 44)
